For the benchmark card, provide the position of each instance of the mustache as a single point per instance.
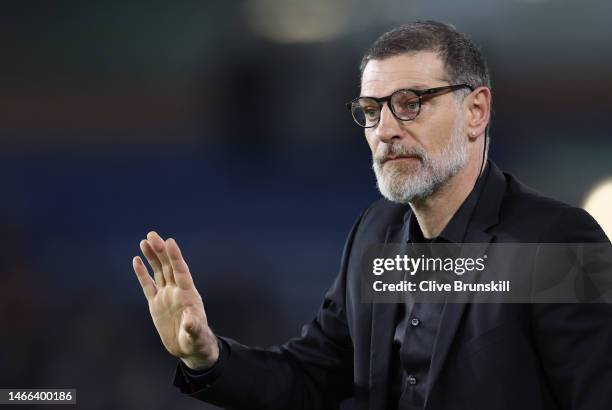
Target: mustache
(387, 152)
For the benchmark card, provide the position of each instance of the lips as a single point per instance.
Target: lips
(396, 157)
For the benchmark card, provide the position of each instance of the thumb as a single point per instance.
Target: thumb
(190, 323)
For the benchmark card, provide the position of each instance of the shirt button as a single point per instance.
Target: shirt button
(412, 380)
(414, 322)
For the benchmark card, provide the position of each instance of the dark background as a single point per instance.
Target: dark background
(223, 125)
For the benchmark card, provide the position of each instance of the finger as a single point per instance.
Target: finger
(159, 247)
(179, 266)
(146, 282)
(149, 253)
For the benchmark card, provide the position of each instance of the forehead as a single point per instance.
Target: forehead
(415, 70)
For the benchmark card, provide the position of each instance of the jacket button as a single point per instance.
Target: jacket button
(414, 322)
(412, 380)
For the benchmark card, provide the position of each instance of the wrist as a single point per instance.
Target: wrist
(204, 360)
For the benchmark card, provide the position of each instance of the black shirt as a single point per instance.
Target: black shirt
(418, 323)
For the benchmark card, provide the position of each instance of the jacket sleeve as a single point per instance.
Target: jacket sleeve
(574, 340)
(313, 371)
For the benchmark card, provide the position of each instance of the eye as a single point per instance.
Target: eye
(371, 112)
(406, 103)
(407, 108)
(412, 106)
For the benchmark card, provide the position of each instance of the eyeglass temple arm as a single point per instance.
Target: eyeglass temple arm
(440, 89)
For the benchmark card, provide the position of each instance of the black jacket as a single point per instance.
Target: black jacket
(487, 356)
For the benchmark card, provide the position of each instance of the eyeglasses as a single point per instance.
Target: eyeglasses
(405, 104)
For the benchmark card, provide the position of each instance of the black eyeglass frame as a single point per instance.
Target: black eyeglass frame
(419, 93)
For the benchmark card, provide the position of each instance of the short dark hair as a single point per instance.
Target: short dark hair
(462, 59)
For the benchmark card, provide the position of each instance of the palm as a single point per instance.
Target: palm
(167, 308)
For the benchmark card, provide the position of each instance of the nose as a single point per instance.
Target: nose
(389, 127)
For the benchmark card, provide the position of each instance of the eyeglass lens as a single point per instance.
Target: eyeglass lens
(405, 105)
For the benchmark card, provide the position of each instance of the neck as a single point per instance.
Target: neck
(434, 212)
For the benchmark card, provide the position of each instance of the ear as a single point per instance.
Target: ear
(478, 111)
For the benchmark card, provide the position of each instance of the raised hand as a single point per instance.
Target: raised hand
(174, 303)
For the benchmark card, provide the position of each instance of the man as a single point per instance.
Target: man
(425, 106)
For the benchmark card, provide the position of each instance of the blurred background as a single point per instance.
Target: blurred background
(223, 125)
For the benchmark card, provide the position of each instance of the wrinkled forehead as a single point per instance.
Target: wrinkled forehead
(415, 70)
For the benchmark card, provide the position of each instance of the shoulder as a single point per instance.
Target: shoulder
(544, 219)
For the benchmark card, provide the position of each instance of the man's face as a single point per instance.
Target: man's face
(413, 159)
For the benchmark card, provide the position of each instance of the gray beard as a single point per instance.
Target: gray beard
(402, 183)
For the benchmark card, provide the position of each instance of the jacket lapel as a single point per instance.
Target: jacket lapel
(384, 320)
(486, 215)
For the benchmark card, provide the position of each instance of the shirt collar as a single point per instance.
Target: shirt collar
(455, 230)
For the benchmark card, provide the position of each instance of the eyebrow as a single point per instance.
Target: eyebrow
(418, 86)
(412, 87)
